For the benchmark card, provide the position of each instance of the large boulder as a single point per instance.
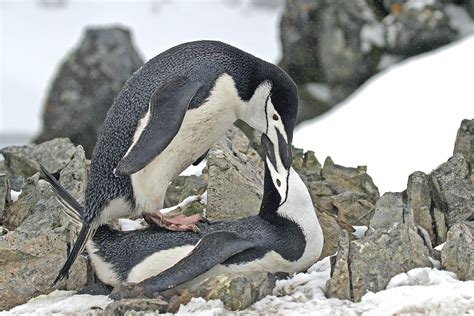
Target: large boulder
(368, 264)
(86, 84)
(457, 254)
(465, 142)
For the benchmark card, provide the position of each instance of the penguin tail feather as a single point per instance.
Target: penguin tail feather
(85, 234)
(72, 208)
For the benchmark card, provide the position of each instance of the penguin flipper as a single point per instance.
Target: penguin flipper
(73, 209)
(168, 106)
(211, 250)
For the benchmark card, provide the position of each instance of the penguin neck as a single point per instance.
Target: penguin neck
(298, 206)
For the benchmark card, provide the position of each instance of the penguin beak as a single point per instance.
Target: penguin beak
(284, 150)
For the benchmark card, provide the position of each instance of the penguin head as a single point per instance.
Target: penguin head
(274, 107)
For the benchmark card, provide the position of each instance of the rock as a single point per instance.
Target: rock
(353, 208)
(332, 232)
(307, 165)
(193, 185)
(465, 141)
(38, 246)
(235, 184)
(4, 193)
(439, 224)
(413, 29)
(74, 175)
(16, 182)
(136, 306)
(457, 254)
(374, 259)
(451, 188)
(18, 211)
(350, 179)
(340, 287)
(237, 291)
(419, 198)
(390, 209)
(23, 160)
(86, 85)
(174, 190)
(470, 7)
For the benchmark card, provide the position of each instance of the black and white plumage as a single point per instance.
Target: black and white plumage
(285, 237)
(168, 114)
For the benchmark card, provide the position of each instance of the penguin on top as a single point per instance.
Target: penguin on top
(167, 116)
(284, 237)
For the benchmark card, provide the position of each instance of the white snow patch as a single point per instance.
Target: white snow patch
(403, 119)
(418, 4)
(14, 195)
(440, 247)
(203, 199)
(128, 224)
(60, 302)
(359, 231)
(319, 91)
(423, 276)
(183, 204)
(194, 170)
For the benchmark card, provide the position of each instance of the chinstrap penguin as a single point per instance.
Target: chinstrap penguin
(284, 237)
(166, 117)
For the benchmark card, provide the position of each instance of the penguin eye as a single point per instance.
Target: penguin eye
(275, 117)
(278, 182)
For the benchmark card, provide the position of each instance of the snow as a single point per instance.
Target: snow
(319, 91)
(402, 120)
(128, 224)
(14, 195)
(194, 170)
(419, 291)
(359, 231)
(183, 204)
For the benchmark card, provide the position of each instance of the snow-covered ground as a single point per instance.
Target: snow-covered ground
(402, 120)
(419, 291)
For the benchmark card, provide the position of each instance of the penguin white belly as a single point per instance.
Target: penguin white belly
(200, 129)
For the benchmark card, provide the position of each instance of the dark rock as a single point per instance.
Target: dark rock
(340, 287)
(457, 254)
(374, 259)
(354, 208)
(470, 7)
(414, 29)
(136, 307)
(419, 198)
(86, 85)
(23, 160)
(235, 184)
(193, 185)
(237, 292)
(465, 142)
(174, 190)
(4, 193)
(16, 182)
(332, 232)
(451, 188)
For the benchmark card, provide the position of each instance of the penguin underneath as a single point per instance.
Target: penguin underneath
(284, 237)
(166, 116)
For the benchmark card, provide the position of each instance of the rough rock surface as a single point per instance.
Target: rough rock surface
(457, 254)
(413, 29)
(419, 198)
(451, 187)
(4, 192)
(136, 307)
(36, 246)
(86, 85)
(374, 259)
(391, 209)
(465, 141)
(235, 184)
(23, 160)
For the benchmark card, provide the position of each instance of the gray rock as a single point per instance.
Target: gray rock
(457, 254)
(419, 198)
(340, 286)
(16, 182)
(412, 29)
(353, 208)
(332, 233)
(451, 188)
(439, 224)
(374, 259)
(238, 291)
(136, 307)
(388, 211)
(4, 193)
(86, 84)
(235, 184)
(193, 185)
(23, 160)
(74, 175)
(350, 179)
(465, 141)
(174, 190)
(15, 213)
